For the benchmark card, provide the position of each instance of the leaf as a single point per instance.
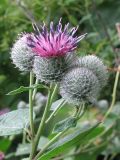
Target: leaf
(56, 104)
(24, 149)
(4, 144)
(14, 122)
(91, 153)
(24, 89)
(65, 124)
(42, 142)
(78, 137)
(116, 109)
(84, 18)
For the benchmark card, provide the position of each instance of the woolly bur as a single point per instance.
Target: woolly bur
(79, 85)
(21, 54)
(52, 69)
(96, 65)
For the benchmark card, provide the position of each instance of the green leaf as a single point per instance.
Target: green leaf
(85, 156)
(24, 89)
(55, 105)
(78, 137)
(4, 144)
(85, 18)
(24, 149)
(42, 142)
(116, 110)
(65, 124)
(14, 122)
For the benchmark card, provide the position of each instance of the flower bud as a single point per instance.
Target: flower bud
(94, 64)
(21, 54)
(52, 69)
(79, 85)
(40, 99)
(22, 105)
(102, 104)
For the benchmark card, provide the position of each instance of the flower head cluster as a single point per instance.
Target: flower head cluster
(84, 82)
(49, 53)
(55, 42)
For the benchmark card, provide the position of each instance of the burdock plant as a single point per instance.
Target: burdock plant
(49, 55)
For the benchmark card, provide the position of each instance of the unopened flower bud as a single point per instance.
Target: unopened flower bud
(52, 69)
(79, 85)
(21, 54)
(22, 105)
(96, 65)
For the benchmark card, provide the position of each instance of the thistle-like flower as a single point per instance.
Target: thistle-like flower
(79, 85)
(96, 65)
(54, 50)
(54, 43)
(21, 54)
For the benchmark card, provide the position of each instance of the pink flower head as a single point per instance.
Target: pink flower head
(54, 43)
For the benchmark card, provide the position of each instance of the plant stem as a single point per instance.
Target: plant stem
(31, 111)
(31, 104)
(48, 144)
(79, 111)
(33, 97)
(113, 156)
(113, 94)
(55, 112)
(41, 126)
(35, 90)
(24, 137)
(54, 93)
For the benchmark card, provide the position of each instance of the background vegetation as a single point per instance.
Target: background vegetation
(96, 17)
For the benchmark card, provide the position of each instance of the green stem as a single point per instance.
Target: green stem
(31, 111)
(113, 94)
(82, 111)
(35, 90)
(54, 93)
(48, 144)
(41, 126)
(55, 112)
(113, 156)
(106, 157)
(24, 137)
(79, 111)
(31, 104)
